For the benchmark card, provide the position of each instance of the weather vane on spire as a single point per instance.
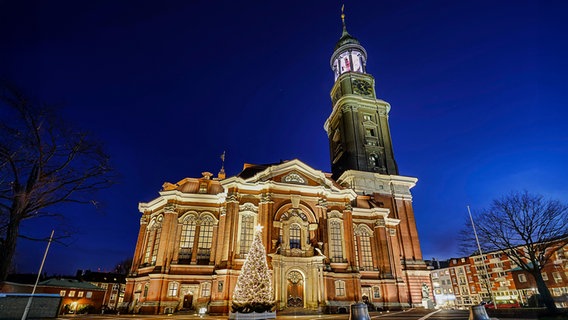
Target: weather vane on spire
(343, 17)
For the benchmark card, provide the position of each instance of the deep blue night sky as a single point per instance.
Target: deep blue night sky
(477, 89)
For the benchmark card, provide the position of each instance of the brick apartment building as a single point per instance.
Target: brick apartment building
(466, 280)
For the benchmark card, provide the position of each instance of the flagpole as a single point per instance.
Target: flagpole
(486, 281)
(29, 304)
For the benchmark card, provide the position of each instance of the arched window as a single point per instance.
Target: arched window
(295, 236)
(366, 256)
(205, 239)
(363, 252)
(336, 240)
(376, 292)
(247, 233)
(294, 233)
(153, 241)
(187, 238)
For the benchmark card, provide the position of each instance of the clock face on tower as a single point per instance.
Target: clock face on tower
(362, 87)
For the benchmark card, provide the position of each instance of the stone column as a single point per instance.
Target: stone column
(139, 251)
(385, 266)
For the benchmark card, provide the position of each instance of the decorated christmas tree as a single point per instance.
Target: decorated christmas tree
(253, 291)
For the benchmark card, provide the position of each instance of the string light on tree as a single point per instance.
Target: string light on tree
(253, 291)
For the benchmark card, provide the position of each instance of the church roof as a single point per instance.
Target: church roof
(250, 170)
(346, 39)
(69, 283)
(195, 185)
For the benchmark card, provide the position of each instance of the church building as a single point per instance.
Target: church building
(332, 239)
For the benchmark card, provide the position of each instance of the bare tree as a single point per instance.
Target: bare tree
(43, 163)
(526, 227)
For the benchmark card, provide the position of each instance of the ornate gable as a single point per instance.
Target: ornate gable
(293, 172)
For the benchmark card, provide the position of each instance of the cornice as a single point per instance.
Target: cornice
(371, 182)
(355, 101)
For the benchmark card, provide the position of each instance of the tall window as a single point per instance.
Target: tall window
(187, 238)
(205, 239)
(205, 289)
(157, 234)
(557, 277)
(336, 241)
(376, 292)
(173, 289)
(356, 251)
(152, 244)
(366, 256)
(146, 288)
(339, 288)
(295, 236)
(247, 232)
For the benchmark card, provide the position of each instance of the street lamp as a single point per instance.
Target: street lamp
(29, 304)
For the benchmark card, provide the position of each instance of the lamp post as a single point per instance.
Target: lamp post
(29, 304)
(487, 280)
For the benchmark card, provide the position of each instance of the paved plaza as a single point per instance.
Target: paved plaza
(414, 314)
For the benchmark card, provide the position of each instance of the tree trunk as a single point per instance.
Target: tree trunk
(544, 292)
(8, 248)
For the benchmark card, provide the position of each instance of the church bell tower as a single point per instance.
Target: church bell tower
(358, 128)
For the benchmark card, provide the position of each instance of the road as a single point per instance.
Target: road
(416, 314)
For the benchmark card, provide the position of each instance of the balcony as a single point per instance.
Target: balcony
(297, 252)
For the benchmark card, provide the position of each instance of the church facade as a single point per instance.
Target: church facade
(332, 239)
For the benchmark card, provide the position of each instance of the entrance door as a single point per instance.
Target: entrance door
(295, 289)
(187, 301)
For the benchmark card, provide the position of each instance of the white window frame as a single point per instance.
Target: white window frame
(173, 289)
(336, 236)
(205, 242)
(246, 232)
(206, 289)
(376, 293)
(153, 235)
(339, 288)
(187, 237)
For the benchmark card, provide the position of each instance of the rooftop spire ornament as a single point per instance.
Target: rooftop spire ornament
(221, 175)
(343, 19)
(253, 295)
